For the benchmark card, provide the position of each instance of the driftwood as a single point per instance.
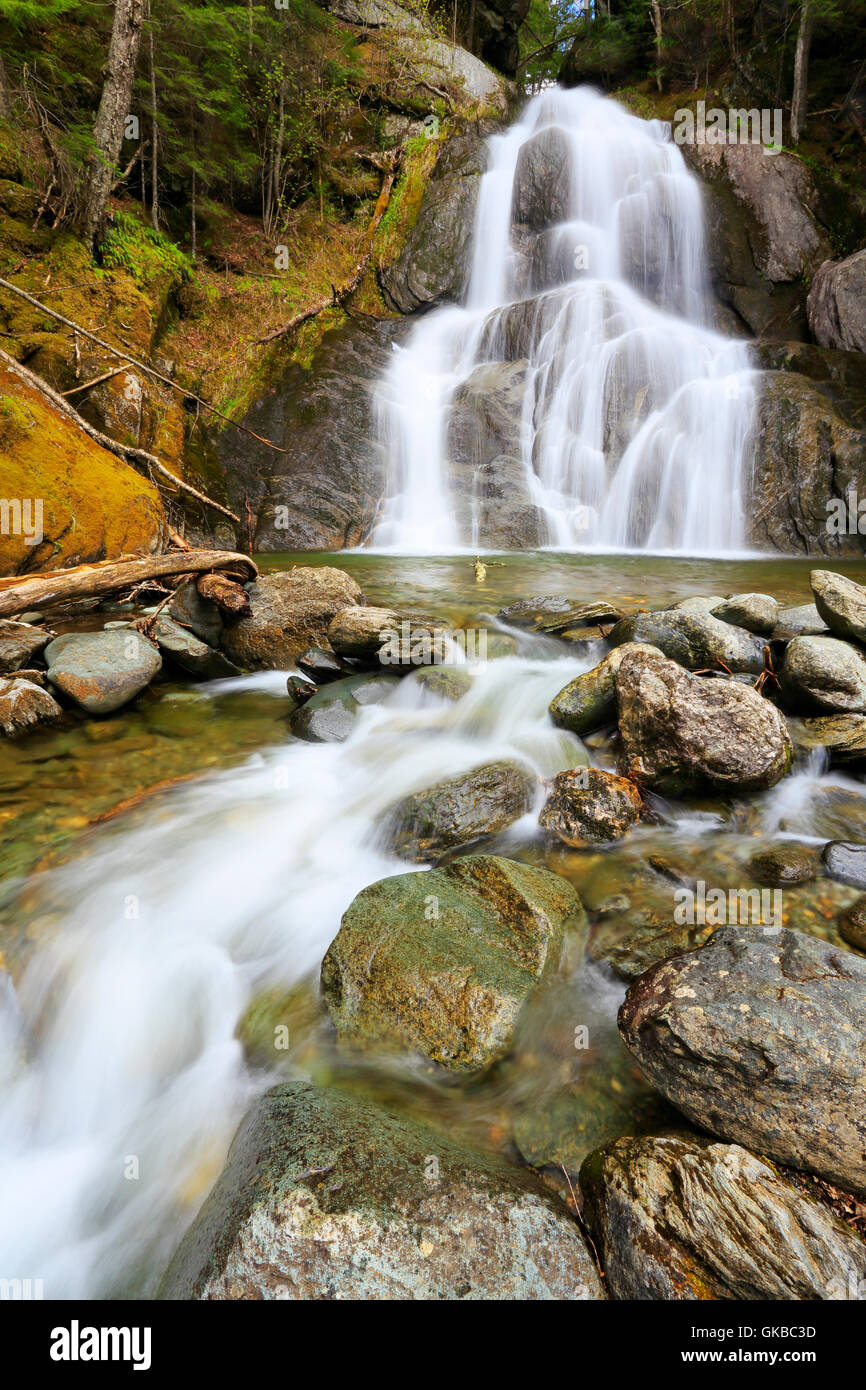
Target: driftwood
(230, 597)
(22, 592)
(341, 292)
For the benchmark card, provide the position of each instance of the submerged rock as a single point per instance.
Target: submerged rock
(443, 962)
(291, 610)
(841, 603)
(24, 705)
(101, 671)
(19, 643)
(587, 805)
(680, 730)
(852, 924)
(694, 640)
(755, 612)
(823, 673)
(448, 682)
(425, 824)
(678, 1218)
(785, 863)
(329, 715)
(589, 700)
(326, 1195)
(758, 1037)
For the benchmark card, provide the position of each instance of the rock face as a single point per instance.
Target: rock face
(23, 706)
(822, 673)
(291, 610)
(681, 730)
(434, 263)
(442, 962)
(675, 1218)
(329, 715)
(542, 181)
(101, 671)
(586, 805)
(759, 1038)
(488, 799)
(327, 1196)
(837, 303)
(841, 603)
(19, 643)
(695, 640)
(589, 700)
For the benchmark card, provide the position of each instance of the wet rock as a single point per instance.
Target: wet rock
(322, 666)
(200, 615)
(843, 736)
(299, 690)
(758, 1037)
(803, 620)
(24, 705)
(679, 730)
(852, 924)
(755, 612)
(837, 303)
(190, 653)
(846, 862)
(329, 716)
(19, 643)
(360, 631)
(589, 700)
(695, 640)
(542, 180)
(442, 962)
(841, 603)
(101, 671)
(586, 805)
(784, 864)
(447, 682)
(678, 1218)
(699, 603)
(484, 801)
(325, 1195)
(593, 615)
(526, 612)
(291, 610)
(823, 673)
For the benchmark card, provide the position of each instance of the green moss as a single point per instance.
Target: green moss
(146, 254)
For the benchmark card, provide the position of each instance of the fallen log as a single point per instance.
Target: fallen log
(228, 596)
(18, 593)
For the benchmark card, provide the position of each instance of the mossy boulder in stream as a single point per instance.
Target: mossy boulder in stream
(589, 700)
(327, 1196)
(291, 610)
(442, 963)
(587, 805)
(695, 640)
(329, 716)
(426, 824)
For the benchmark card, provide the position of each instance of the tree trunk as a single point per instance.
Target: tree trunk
(801, 72)
(5, 91)
(113, 110)
(19, 593)
(192, 228)
(154, 159)
(657, 29)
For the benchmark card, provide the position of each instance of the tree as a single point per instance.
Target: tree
(801, 71)
(113, 111)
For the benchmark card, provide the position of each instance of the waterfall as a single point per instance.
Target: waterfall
(580, 397)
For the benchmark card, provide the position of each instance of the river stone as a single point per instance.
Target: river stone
(526, 612)
(758, 1037)
(442, 962)
(489, 798)
(841, 603)
(678, 1218)
(291, 610)
(782, 864)
(359, 631)
(755, 612)
(590, 699)
(322, 665)
(19, 643)
(24, 705)
(843, 736)
(200, 615)
(680, 730)
(329, 715)
(804, 621)
(699, 603)
(447, 682)
(823, 673)
(586, 805)
(325, 1195)
(846, 862)
(852, 923)
(101, 671)
(190, 653)
(695, 640)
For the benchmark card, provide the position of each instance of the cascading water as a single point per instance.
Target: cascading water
(631, 418)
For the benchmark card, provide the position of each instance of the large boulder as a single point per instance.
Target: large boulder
(543, 180)
(101, 671)
(695, 640)
(678, 1218)
(327, 1196)
(23, 706)
(360, 631)
(291, 610)
(426, 824)
(586, 805)
(19, 644)
(758, 1037)
(680, 730)
(589, 701)
(823, 673)
(755, 612)
(837, 303)
(841, 603)
(442, 963)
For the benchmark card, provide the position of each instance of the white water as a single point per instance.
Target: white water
(637, 416)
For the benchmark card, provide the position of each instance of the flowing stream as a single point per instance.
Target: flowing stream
(633, 427)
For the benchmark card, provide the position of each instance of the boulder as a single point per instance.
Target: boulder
(358, 631)
(680, 730)
(326, 1195)
(841, 603)
(322, 666)
(695, 640)
(586, 805)
(484, 801)
(804, 621)
(758, 1037)
(589, 701)
(442, 962)
(19, 643)
(291, 610)
(679, 1218)
(852, 924)
(836, 305)
(329, 715)
(755, 612)
(543, 180)
(24, 705)
(101, 671)
(200, 615)
(188, 652)
(846, 862)
(446, 682)
(822, 673)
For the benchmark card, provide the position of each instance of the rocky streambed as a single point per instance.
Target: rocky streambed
(539, 974)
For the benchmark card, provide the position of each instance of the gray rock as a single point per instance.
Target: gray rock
(785, 863)
(24, 705)
(484, 801)
(846, 862)
(191, 654)
(19, 643)
(202, 617)
(843, 736)
(823, 673)
(101, 671)
(589, 700)
(677, 1218)
(837, 303)
(446, 682)
(699, 603)
(758, 1037)
(586, 805)
(329, 716)
(542, 180)
(680, 730)
(442, 962)
(322, 666)
(755, 612)
(291, 610)
(358, 631)
(695, 640)
(841, 603)
(327, 1196)
(804, 620)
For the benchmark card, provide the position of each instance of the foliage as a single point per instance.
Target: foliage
(146, 254)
